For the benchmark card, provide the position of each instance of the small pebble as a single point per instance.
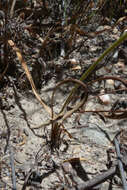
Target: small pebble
(110, 82)
(117, 85)
(73, 61)
(105, 99)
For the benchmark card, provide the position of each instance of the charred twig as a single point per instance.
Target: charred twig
(8, 130)
(26, 180)
(97, 180)
(76, 165)
(100, 178)
(98, 111)
(34, 179)
(120, 164)
(124, 82)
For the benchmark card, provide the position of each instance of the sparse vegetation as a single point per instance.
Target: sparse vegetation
(74, 44)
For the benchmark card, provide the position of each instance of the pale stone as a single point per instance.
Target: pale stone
(105, 99)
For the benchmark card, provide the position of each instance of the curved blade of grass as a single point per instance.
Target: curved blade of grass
(62, 114)
(28, 74)
(93, 66)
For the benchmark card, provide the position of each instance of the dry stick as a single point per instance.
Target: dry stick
(12, 168)
(12, 8)
(26, 180)
(120, 164)
(97, 180)
(108, 78)
(97, 111)
(51, 30)
(2, 74)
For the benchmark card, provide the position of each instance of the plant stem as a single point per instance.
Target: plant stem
(93, 66)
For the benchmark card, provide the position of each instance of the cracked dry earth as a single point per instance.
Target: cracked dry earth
(31, 149)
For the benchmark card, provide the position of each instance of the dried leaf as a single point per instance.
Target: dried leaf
(24, 65)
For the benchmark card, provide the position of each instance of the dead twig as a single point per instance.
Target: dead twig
(12, 8)
(120, 165)
(97, 180)
(12, 167)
